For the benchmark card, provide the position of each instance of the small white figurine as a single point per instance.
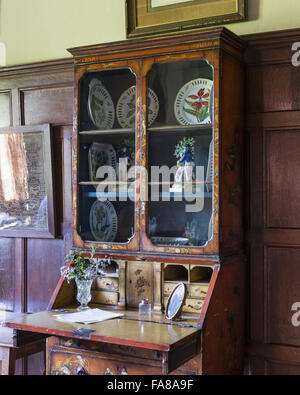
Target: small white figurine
(184, 172)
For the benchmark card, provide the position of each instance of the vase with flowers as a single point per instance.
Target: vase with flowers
(84, 269)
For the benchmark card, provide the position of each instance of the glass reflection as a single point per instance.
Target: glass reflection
(23, 197)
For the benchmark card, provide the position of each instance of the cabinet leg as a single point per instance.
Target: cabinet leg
(8, 361)
(45, 361)
(165, 363)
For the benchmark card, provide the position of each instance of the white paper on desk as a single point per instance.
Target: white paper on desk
(89, 316)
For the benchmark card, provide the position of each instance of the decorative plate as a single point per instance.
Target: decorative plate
(175, 302)
(100, 105)
(101, 155)
(103, 221)
(192, 103)
(126, 107)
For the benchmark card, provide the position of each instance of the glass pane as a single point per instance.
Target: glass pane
(5, 116)
(107, 156)
(180, 154)
(108, 220)
(108, 100)
(184, 92)
(23, 194)
(7, 276)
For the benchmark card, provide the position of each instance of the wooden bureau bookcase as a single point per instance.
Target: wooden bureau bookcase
(144, 100)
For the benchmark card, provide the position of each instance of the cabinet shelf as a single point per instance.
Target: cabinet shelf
(186, 183)
(112, 195)
(106, 182)
(149, 183)
(161, 195)
(184, 194)
(130, 193)
(108, 131)
(176, 128)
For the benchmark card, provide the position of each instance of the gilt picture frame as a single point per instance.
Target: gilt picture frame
(27, 206)
(148, 17)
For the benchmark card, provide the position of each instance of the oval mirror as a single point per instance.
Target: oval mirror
(175, 302)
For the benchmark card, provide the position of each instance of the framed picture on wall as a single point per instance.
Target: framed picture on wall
(26, 182)
(146, 17)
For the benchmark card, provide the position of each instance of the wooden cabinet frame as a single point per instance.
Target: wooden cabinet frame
(213, 340)
(133, 244)
(222, 50)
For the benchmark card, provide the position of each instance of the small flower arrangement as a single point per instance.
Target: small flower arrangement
(83, 267)
(180, 147)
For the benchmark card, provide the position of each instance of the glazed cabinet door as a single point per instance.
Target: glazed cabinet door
(180, 153)
(106, 141)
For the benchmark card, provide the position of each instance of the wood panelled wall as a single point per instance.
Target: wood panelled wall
(272, 193)
(39, 93)
(43, 92)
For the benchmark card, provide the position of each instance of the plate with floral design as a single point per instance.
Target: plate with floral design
(100, 105)
(192, 103)
(103, 221)
(100, 155)
(126, 107)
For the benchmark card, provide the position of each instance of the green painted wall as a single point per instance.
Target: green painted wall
(37, 30)
(269, 15)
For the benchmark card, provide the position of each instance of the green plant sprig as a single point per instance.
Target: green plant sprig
(80, 267)
(181, 146)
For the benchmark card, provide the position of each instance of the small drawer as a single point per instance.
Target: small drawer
(107, 283)
(198, 290)
(190, 305)
(103, 297)
(169, 286)
(193, 305)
